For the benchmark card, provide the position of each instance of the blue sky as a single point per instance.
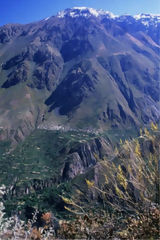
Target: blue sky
(25, 11)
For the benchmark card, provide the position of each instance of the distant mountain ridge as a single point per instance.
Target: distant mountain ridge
(143, 18)
(83, 68)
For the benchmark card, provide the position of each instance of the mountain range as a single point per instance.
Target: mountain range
(78, 94)
(81, 69)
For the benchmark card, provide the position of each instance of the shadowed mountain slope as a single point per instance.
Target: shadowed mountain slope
(82, 69)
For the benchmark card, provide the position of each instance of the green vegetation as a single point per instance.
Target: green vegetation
(40, 156)
(4, 147)
(33, 169)
(121, 190)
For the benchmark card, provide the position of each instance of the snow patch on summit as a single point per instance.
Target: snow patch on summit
(148, 19)
(147, 16)
(85, 12)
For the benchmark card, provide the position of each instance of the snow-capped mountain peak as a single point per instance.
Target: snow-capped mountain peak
(148, 19)
(147, 16)
(85, 12)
